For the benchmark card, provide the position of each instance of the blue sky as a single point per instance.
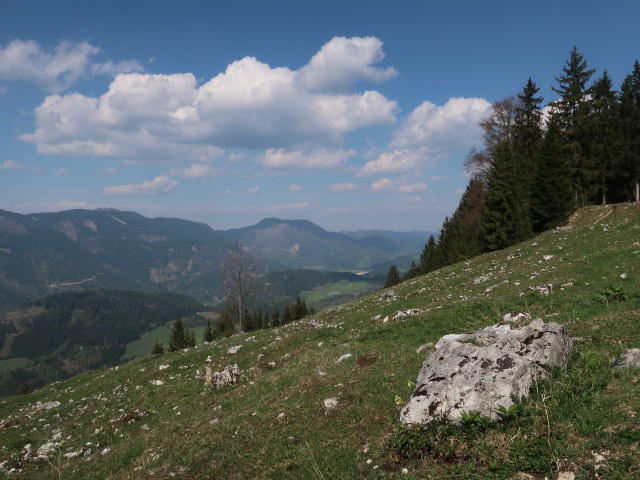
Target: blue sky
(352, 114)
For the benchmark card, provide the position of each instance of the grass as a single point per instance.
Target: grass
(585, 420)
(330, 294)
(13, 364)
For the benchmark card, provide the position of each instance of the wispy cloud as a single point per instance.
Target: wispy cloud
(11, 165)
(157, 186)
(342, 187)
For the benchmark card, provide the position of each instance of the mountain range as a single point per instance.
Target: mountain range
(43, 253)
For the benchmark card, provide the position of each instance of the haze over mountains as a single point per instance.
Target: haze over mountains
(42, 253)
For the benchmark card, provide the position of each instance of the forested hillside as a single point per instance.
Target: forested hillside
(66, 333)
(538, 163)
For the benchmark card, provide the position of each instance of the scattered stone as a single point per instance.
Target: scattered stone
(523, 476)
(402, 314)
(566, 476)
(388, 295)
(46, 405)
(230, 375)
(516, 317)
(623, 276)
(548, 257)
(481, 279)
(485, 370)
(343, 357)
(214, 421)
(330, 404)
(628, 360)
(543, 289)
(251, 339)
(46, 449)
(163, 367)
(233, 350)
(156, 382)
(423, 347)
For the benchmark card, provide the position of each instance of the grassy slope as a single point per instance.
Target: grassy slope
(274, 425)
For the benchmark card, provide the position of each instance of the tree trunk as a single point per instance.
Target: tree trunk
(637, 192)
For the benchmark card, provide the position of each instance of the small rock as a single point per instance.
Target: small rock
(423, 347)
(343, 357)
(628, 360)
(163, 367)
(624, 276)
(233, 350)
(566, 476)
(214, 421)
(330, 404)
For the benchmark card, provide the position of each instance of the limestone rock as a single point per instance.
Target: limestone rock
(628, 360)
(227, 376)
(482, 371)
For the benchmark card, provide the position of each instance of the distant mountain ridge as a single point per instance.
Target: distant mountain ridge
(43, 253)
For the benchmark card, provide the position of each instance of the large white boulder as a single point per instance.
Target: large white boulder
(484, 370)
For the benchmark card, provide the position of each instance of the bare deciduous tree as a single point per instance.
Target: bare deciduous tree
(239, 270)
(496, 128)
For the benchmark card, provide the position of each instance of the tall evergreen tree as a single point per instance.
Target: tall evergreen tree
(553, 199)
(179, 338)
(605, 138)
(572, 112)
(208, 332)
(393, 277)
(428, 257)
(526, 149)
(500, 209)
(629, 113)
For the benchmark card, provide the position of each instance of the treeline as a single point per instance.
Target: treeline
(259, 319)
(538, 164)
(83, 330)
(225, 327)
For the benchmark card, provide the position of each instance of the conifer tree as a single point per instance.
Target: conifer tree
(414, 271)
(275, 317)
(179, 337)
(224, 326)
(605, 138)
(208, 332)
(572, 115)
(428, 257)
(500, 208)
(526, 153)
(157, 348)
(629, 112)
(553, 200)
(393, 277)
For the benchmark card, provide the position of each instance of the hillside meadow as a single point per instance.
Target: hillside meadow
(153, 418)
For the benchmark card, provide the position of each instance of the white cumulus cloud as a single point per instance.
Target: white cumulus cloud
(294, 187)
(197, 170)
(57, 69)
(157, 186)
(10, 165)
(431, 133)
(344, 61)
(249, 105)
(342, 187)
(321, 158)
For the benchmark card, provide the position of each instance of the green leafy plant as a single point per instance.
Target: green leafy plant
(611, 293)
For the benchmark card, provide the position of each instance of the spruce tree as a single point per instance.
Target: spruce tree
(275, 318)
(500, 208)
(628, 188)
(179, 337)
(572, 112)
(393, 277)
(157, 348)
(428, 257)
(605, 138)
(208, 332)
(552, 201)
